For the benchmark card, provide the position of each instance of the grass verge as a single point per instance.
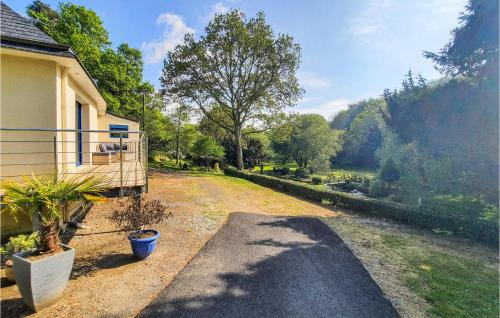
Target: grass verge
(454, 278)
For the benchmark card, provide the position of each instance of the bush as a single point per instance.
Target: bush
(317, 180)
(478, 229)
(389, 171)
(281, 171)
(378, 189)
(136, 212)
(19, 243)
(301, 173)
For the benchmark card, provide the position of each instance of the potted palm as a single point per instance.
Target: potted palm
(134, 216)
(42, 273)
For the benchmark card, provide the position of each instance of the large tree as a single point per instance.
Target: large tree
(239, 65)
(184, 133)
(118, 73)
(473, 49)
(364, 125)
(311, 142)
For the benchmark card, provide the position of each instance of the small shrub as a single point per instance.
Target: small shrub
(281, 171)
(137, 213)
(301, 173)
(317, 180)
(378, 189)
(19, 243)
(389, 171)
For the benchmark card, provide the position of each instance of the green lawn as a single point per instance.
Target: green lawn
(337, 171)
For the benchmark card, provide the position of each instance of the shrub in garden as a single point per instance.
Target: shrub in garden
(378, 189)
(284, 171)
(138, 213)
(317, 180)
(389, 171)
(19, 243)
(301, 173)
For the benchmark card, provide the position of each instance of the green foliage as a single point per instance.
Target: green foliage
(309, 141)
(76, 26)
(257, 150)
(117, 73)
(364, 125)
(389, 171)
(452, 148)
(301, 173)
(473, 50)
(282, 171)
(317, 180)
(478, 229)
(19, 243)
(377, 189)
(207, 148)
(239, 65)
(183, 132)
(44, 196)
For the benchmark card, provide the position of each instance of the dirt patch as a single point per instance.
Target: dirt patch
(108, 282)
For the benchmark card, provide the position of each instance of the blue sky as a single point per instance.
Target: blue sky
(350, 49)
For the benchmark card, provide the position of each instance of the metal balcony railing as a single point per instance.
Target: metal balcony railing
(121, 156)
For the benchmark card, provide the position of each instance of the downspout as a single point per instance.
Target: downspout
(64, 101)
(64, 84)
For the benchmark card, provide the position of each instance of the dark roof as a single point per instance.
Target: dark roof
(17, 27)
(17, 32)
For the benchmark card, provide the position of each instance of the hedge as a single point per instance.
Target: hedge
(477, 229)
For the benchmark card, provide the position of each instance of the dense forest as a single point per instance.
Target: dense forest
(223, 97)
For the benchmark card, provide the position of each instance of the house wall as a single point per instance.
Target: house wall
(37, 93)
(28, 100)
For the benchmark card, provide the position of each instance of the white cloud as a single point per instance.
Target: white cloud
(382, 24)
(327, 109)
(173, 34)
(217, 8)
(312, 81)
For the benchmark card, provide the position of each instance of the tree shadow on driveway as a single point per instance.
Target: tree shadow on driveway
(262, 266)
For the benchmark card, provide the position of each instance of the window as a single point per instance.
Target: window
(118, 128)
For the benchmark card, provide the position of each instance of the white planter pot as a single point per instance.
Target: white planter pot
(42, 282)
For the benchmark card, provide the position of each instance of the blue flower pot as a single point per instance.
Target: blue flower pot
(142, 248)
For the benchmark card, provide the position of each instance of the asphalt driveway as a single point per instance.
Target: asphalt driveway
(264, 266)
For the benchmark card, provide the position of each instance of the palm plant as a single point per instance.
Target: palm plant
(44, 197)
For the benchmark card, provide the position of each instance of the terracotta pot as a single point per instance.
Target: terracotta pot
(9, 271)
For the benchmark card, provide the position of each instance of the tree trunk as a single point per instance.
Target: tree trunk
(239, 150)
(177, 149)
(49, 238)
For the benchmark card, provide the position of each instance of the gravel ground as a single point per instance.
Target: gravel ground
(108, 282)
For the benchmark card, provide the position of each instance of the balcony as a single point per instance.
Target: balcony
(120, 156)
